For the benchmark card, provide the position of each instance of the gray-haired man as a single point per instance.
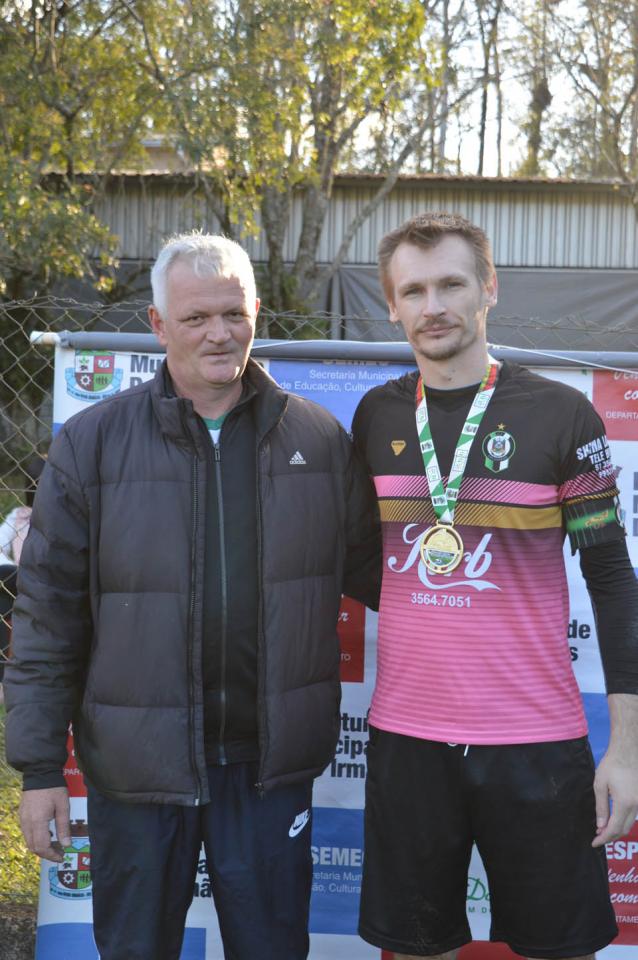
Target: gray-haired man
(178, 598)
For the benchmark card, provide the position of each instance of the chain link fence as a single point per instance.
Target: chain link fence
(26, 383)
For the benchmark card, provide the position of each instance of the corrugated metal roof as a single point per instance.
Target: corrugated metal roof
(362, 177)
(532, 223)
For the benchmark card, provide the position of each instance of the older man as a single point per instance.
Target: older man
(178, 600)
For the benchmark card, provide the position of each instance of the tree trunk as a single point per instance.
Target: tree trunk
(305, 274)
(444, 107)
(499, 112)
(541, 99)
(275, 212)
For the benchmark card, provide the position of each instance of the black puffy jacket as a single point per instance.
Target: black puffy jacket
(108, 621)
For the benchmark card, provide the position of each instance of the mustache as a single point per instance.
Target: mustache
(437, 324)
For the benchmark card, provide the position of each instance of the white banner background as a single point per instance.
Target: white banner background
(64, 931)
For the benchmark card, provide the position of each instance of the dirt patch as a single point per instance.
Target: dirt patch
(17, 930)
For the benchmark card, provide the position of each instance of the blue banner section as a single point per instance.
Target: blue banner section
(337, 856)
(60, 941)
(598, 722)
(336, 386)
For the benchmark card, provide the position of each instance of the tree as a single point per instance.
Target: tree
(599, 136)
(439, 97)
(280, 107)
(536, 47)
(71, 103)
(488, 12)
(72, 108)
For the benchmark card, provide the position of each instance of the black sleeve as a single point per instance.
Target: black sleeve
(588, 491)
(362, 576)
(8, 573)
(613, 590)
(365, 550)
(52, 624)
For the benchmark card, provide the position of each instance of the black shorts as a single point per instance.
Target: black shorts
(530, 810)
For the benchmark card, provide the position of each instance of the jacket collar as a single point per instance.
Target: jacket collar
(270, 402)
(179, 422)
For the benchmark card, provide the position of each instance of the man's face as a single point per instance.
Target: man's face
(438, 297)
(208, 329)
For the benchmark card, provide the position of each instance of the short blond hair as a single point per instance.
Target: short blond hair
(426, 230)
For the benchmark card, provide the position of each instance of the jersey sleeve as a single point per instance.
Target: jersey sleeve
(360, 430)
(587, 491)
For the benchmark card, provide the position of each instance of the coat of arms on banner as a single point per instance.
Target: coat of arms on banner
(93, 375)
(71, 879)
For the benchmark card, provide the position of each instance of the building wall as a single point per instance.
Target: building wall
(531, 224)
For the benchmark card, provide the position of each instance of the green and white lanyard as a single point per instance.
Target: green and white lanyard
(442, 547)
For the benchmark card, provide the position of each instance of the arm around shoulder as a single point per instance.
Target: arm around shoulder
(365, 550)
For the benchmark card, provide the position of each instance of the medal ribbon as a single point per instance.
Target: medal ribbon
(444, 500)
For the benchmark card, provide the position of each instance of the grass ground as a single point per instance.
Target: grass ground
(19, 869)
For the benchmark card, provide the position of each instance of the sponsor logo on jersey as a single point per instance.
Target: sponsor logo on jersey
(398, 446)
(476, 563)
(93, 376)
(598, 453)
(498, 448)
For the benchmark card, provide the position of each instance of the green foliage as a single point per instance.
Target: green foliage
(19, 869)
(47, 230)
(261, 97)
(269, 95)
(71, 101)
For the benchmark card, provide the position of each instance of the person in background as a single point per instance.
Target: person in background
(478, 733)
(15, 526)
(13, 532)
(178, 599)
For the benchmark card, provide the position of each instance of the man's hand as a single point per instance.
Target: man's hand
(37, 808)
(617, 774)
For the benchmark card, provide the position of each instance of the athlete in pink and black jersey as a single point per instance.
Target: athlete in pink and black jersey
(478, 733)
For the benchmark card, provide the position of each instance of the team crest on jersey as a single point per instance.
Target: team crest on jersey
(71, 879)
(93, 375)
(499, 448)
(398, 446)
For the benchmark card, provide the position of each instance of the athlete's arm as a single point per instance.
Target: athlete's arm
(617, 774)
(613, 589)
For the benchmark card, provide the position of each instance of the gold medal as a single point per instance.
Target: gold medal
(441, 548)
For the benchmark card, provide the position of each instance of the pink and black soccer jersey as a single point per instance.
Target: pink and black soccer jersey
(480, 655)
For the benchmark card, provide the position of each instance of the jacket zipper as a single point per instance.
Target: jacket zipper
(261, 647)
(261, 654)
(191, 682)
(224, 600)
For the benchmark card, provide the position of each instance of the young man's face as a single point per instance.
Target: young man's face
(208, 329)
(438, 297)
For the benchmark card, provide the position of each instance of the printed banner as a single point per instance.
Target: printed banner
(84, 377)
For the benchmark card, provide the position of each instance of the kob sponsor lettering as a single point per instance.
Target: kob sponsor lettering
(476, 563)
